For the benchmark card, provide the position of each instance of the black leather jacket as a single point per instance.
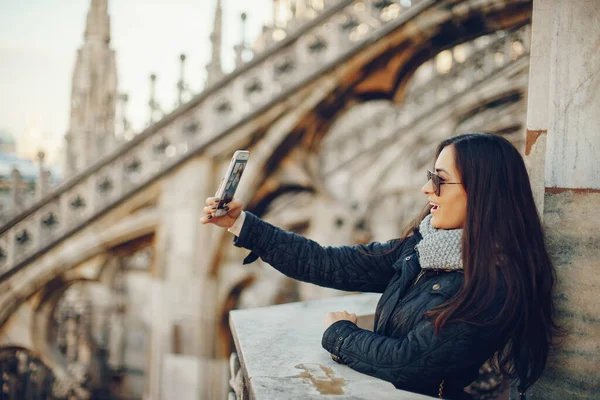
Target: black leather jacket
(403, 348)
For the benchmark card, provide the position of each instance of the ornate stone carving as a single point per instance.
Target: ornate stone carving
(236, 382)
(322, 42)
(22, 375)
(61, 388)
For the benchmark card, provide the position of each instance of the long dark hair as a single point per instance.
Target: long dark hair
(502, 236)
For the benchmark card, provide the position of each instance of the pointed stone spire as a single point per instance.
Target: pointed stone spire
(241, 47)
(213, 69)
(41, 184)
(155, 110)
(275, 12)
(127, 134)
(15, 191)
(181, 85)
(298, 9)
(98, 21)
(152, 102)
(91, 133)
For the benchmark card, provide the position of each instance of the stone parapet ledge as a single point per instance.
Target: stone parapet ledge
(280, 354)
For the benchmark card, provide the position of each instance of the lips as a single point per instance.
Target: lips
(434, 207)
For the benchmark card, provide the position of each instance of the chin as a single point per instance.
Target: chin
(435, 223)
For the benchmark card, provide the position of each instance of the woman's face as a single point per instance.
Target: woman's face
(449, 209)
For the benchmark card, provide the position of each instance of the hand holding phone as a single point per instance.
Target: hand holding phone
(234, 208)
(230, 182)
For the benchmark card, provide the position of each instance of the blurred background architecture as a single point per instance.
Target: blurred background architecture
(109, 285)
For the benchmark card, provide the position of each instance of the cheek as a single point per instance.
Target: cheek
(460, 210)
(453, 214)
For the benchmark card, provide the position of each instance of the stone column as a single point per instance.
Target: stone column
(331, 225)
(182, 361)
(15, 191)
(70, 163)
(40, 185)
(563, 143)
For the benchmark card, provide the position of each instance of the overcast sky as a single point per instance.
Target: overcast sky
(39, 40)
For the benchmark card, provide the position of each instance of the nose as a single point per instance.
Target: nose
(428, 188)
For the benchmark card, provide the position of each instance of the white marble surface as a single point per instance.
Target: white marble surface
(280, 349)
(573, 97)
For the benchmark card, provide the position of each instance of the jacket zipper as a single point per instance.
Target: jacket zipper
(418, 277)
(401, 302)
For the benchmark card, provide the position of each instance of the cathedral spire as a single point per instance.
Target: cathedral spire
(94, 94)
(213, 69)
(275, 12)
(98, 21)
(241, 47)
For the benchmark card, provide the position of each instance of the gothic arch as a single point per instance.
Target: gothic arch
(226, 344)
(393, 60)
(130, 228)
(495, 105)
(111, 276)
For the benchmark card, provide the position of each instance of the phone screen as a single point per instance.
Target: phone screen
(233, 181)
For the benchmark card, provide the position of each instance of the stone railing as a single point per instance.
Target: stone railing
(437, 82)
(279, 353)
(18, 193)
(342, 29)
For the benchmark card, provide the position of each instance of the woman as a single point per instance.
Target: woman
(469, 281)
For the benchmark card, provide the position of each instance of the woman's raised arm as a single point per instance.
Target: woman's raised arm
(364, 268)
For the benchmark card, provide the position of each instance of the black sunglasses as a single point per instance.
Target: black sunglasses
(436, 181)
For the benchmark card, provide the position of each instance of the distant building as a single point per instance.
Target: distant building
(26, 168)
(28, 175)
(7, 142)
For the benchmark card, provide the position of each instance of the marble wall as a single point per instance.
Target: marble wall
(562, 154)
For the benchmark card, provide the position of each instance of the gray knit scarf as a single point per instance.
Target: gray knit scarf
(439, 248)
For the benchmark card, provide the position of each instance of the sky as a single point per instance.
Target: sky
(39, 40)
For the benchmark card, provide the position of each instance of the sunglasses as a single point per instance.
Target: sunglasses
(437, 182)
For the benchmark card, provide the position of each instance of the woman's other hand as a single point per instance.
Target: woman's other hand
(233, 208)
(336, 316)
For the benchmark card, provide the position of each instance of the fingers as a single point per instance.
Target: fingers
(234, 204)
(233, 210)
(329, 319)
(208, 214)
(342, 313)
(211, 201)
(206, 219)
(333, 317)
(350, 316)
(209, 209)
(211, 206)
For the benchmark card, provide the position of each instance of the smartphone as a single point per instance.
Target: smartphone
(230, 181)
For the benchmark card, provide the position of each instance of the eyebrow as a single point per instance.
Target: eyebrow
(442, 170)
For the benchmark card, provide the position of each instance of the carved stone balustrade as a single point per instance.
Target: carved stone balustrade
(280, 354)
(339, 31)
(434, 86)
